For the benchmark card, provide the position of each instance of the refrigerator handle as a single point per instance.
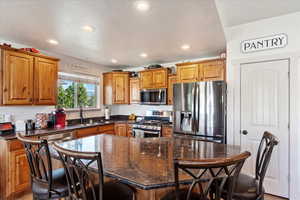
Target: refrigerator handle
(193, 109)
(197, 108)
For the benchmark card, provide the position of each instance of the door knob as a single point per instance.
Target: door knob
(244, 132)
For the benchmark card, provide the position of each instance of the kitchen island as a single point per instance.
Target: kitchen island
(147, 164)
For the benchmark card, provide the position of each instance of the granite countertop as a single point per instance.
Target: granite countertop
(66, 128)
(147, 163)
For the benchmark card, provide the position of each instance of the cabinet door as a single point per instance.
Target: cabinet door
(45, 81)
(129, 130)
(187, 73)
(167, 131)
(121, 129)
(121, 88)
(19, 171)
(171, 80)
(17, 78)
(134, 85)
(213, 71)
(160, 78)
(146, 79)
(107, 89)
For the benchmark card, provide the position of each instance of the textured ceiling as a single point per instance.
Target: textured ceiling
(121, 32)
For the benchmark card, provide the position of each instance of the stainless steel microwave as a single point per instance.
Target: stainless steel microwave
(154, 96)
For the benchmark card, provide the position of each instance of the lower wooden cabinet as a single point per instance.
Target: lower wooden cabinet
(121, 129)
(14, 169)
(129, 130)
(167, 131)
(103, 129)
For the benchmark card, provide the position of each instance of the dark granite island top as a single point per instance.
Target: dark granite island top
(148, 163)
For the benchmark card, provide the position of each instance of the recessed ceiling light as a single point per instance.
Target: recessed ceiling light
(185, 47)
(88, 28)
(143, 55)
(114, 61)
(142, 5)
(54, 42)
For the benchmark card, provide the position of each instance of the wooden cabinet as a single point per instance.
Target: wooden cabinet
(20, 173)
(208, 70)
(45, 81)
(212, 71)
(134, 85)
(14, 169)
(121, 129)
(171, 80)
(146, 79)
(17, 72)
(27, 78)
(187, 72)
(154, 78)
(90, 131)
(167, 131)
(116, 88)
(129, 130)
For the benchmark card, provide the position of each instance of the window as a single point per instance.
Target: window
(77, 90)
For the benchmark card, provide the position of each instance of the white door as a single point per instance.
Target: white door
(265, 107)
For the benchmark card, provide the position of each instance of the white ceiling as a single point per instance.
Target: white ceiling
(236, 12)
(121, 32)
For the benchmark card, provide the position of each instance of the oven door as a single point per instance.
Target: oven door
(154, 97)
(140, 133)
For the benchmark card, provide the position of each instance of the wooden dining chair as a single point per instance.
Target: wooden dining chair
(45, 182)
(86, 180)
(208, 178)
(251, 188)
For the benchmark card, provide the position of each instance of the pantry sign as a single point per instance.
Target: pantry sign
(264, 43)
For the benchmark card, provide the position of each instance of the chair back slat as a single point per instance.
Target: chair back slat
(264, 153)
(210, 177)
(82, 182)
(39, 160)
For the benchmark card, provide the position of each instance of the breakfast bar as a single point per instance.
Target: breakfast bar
(147, 163)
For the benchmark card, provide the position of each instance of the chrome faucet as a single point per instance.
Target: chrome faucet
(81, 114)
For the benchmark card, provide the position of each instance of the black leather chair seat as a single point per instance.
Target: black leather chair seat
(114, 191)
(246, 189)
(182, 195)
(59, 185)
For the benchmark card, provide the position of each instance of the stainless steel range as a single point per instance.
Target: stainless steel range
(150, 125)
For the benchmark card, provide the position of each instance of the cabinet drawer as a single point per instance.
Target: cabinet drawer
(86, 132)
(14, 145)
(106, 128)
(109, 132)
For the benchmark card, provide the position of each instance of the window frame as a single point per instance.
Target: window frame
(85, 79)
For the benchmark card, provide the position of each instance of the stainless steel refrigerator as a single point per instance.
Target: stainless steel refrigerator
(199, 109)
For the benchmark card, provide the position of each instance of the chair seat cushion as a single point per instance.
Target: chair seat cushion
(182, 195)
(59, 184)
(246, 189)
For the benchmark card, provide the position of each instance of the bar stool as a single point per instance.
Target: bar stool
(208, 177)
(45, 182)
(251, 188)
(83, 184)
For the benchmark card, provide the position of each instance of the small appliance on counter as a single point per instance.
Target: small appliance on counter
(6, 128)
(29, 125)
(60, 118)
(107, 113)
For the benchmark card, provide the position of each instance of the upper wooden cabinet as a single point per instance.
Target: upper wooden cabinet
(17, 73)
(45, 80)
(27, 78)
(187, 73)
(116, 88)
(134, 85)
(212, 71)
(208, 70)
(154, 78)
(171, 80)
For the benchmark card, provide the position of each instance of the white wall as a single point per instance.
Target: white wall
(288, 24)
(66, 64)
